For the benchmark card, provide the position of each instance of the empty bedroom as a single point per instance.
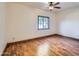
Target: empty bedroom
(39, 28)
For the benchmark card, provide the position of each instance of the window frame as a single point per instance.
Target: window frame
(43, 23)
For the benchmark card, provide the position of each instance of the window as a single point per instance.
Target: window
(43, 23)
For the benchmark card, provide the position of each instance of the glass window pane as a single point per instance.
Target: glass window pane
(40, 20)
(40, 26)
(43, 22)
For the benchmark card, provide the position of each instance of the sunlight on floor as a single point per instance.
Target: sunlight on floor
(43, 49)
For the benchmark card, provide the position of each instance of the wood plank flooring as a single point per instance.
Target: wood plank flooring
(49, 46)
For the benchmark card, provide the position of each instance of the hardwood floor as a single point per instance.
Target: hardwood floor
(48, 46)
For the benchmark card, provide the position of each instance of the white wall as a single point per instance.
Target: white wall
(22, 22)
(2, 27)
(68, 22)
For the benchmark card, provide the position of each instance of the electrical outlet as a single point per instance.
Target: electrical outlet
(13, 38)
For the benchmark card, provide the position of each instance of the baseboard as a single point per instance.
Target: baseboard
(67, 36)
(32, 38)
(4, 49)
